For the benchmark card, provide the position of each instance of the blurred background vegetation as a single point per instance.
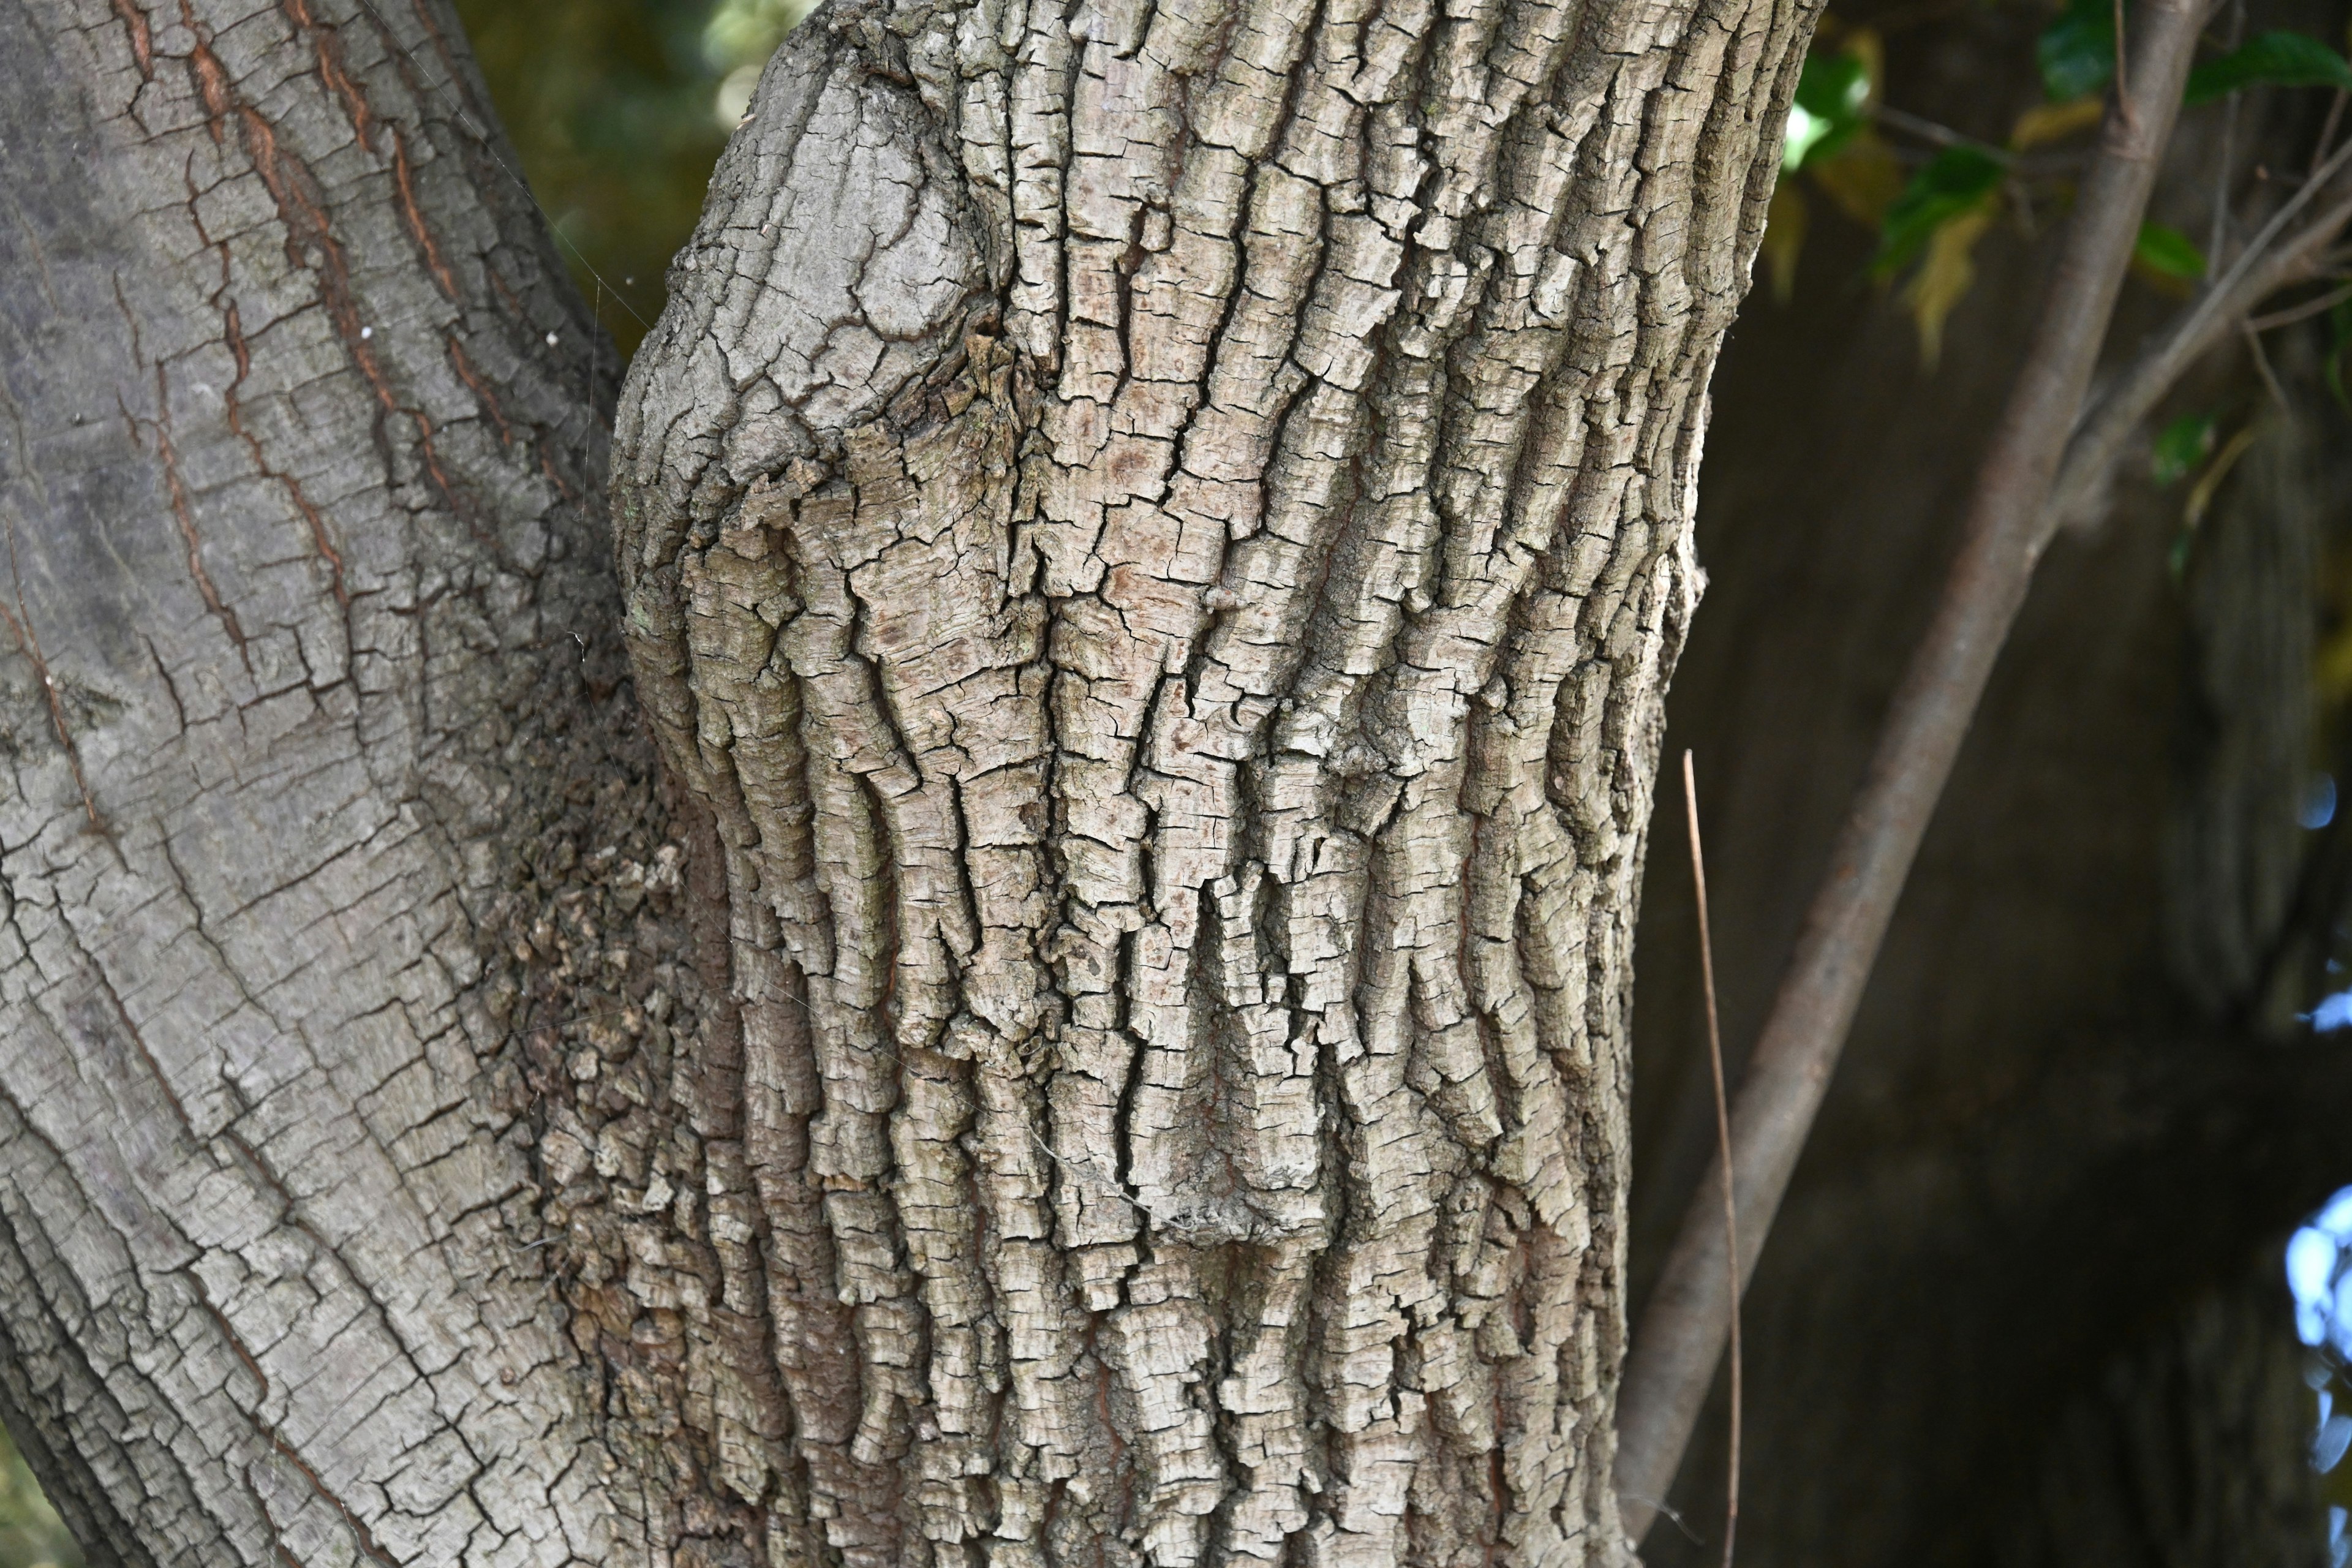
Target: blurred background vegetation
(618, 108)
(30, 1533)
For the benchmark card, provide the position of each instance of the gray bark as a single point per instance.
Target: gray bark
(1152, 545)
(1159, 534)
(305, 645)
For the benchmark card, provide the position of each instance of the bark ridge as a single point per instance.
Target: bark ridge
(1158, 534)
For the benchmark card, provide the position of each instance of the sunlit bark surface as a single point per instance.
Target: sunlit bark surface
(1152, 542)
(1159, 535)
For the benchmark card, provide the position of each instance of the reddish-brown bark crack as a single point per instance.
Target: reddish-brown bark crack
(331, 72)
(212, 81)
(547, 467)
(286, 1559)
(20, 628)
(186, 514)
(413, 216)
(358, 1526)
(143, 41)
(237, 1346)
(292, 188)
(277, 1443)
(480, 389)
(292, 486)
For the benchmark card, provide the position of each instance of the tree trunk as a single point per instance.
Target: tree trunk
(1152, 545)
(308, 646)
(1160, 540)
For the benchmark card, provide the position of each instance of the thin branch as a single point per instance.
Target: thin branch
(2123, 82)
(2263, 367)
(1688, 1321)
(1722, 1144)
(2219, 234)
(2302, 312)
(2328, 130)
(1918, 125)
(2273, 260)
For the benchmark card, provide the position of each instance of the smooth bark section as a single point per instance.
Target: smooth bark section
(307, 631)
(1684, 1324)
(1160, 535)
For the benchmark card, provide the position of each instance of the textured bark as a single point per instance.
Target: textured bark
(309, 669)
(1159, 535)
(1155, 543)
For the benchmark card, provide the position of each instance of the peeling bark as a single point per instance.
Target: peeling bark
(1159, 536)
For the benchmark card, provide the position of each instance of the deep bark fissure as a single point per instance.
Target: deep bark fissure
(1152, 543)
(1196, 634)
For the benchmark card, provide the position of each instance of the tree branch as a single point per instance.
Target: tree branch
(2268, 264)
(1682, 1332)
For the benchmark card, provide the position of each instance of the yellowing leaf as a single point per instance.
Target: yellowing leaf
(1943, 275)
(2201, 498)
(2047, 122)
(1784, 237)
(1862, 177)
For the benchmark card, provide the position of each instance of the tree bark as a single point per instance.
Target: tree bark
(1160, 536)
(1152, 545)
(308, 649)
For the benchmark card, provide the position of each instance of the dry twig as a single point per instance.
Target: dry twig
(1722, 1144)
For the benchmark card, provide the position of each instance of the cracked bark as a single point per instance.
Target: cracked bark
(291, 708)
(1152, 542)
(1159, 534)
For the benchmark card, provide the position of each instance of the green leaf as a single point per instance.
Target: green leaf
(1834, 86)
(2180, 448)
(2077, 52)
(1830, 94)
(1953, 182)
(2270, 59)
(2169, 253)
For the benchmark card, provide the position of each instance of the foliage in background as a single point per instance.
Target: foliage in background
(618, 108)
(738, 40)
(1929, 221)
(31, 1536)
